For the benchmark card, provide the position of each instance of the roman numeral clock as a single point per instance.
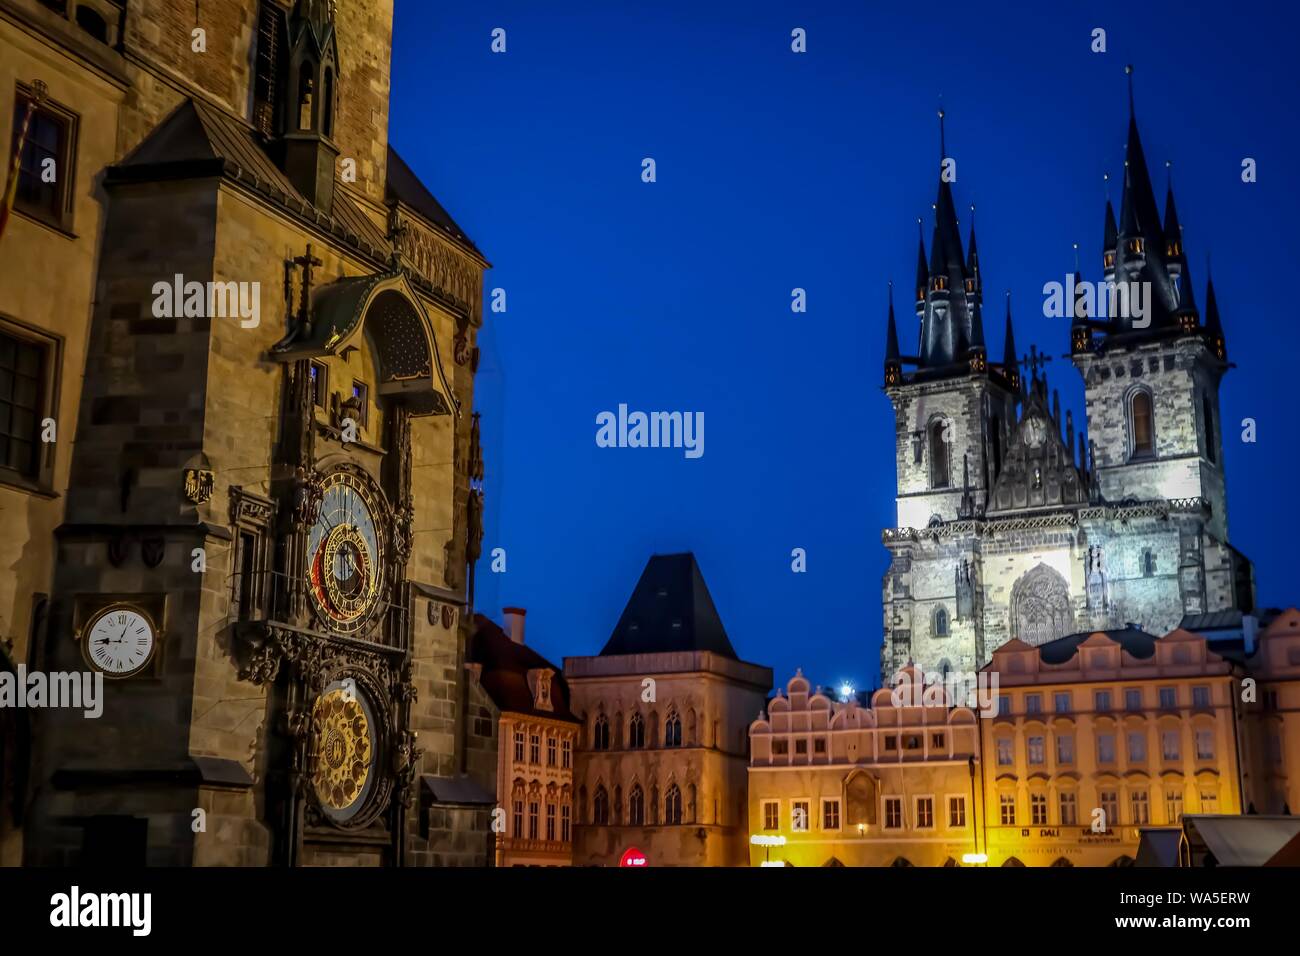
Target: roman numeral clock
(120, 635)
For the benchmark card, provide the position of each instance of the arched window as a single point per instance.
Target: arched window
(939, 465)
(600, 807)
(673, 805)
(1207, 416)
(636, 806)
(306, 94)
(1142, 423)
(327, 105)
(673, 731)
(940, 622)
(636, 732)
(600, 736)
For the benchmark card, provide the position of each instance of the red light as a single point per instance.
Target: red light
(632, 857)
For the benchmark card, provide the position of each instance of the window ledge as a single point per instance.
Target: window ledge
(58, 228)
(11, 479)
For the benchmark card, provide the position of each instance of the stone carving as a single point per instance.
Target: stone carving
(1040, 606)
(444, 268)
(198, 484)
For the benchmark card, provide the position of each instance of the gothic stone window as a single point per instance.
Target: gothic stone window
(941, 622)
(939, 465)
(600, 734)
(1142, 431)
(1040, 606)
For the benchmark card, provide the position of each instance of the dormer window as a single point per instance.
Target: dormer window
(1136, 245)
(1109, 260)
(542, 690)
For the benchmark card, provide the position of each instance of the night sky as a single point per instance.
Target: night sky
(775, 171)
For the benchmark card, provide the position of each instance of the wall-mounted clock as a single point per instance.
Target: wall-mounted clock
(119, 640)
(345, 553)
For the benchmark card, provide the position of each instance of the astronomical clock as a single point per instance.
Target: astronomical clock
(330, 633)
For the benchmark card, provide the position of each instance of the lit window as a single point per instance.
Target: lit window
(1007, 809)
(1033, 704)
(1069, 806)
(925, 813)
(1205, 745)
(1209, 801)
(566, 754)
(1064, 748)
(1110, 808)
(550, 751)
(673, 731)
(1137, 747)
(565, 821)
(519, 746)
(1038, 809)
(830, 814)
(532, 820)
(534, 749)
(1005, 757)
(1141, 423)
(1174, 807)
(519, 819)
(361, 392)
(550, 821)
(320, 376)
(1106, 748)
(1141, 807)
(893, 813)
(1062, 702)
(771, 815)
(1037, 755)
(956, 811)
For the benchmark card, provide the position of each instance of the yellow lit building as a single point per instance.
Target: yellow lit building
(1271, 718)
(847, 785)
(1098, 736)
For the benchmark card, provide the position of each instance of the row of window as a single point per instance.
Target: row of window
(893, 743)
(564, 811)
(636, 732)
(1170, 747)
(641, 810)
(830, 818)
(534, 749)
(1103, 701)
(1108, 816)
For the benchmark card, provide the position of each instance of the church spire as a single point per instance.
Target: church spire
(922, 271)
(1213, 324)
(893, 362)
(1010, 361)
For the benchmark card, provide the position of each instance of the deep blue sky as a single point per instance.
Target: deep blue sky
(778, 170)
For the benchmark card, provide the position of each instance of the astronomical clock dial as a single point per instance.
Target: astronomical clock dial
(119, 640)
(345, 555)
(344, 746)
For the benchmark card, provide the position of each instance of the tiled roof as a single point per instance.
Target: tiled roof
(506, 665)
(405, 186)
(670, 610)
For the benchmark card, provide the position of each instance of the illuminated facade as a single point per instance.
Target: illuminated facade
(537, 737)
(848, 785)
(1271, 718)
(665, 708)
(1100, 735)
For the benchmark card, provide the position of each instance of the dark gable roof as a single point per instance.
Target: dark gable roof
(404, 186)
(505, 672)
(1136, 641)
(670, 610)
(198, 139)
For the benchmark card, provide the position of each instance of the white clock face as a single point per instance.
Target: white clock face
(119, 641)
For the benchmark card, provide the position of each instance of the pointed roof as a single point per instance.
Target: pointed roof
(669, 610)
(891, 333)
(1110, 238)
(1173, 229)
(1213, 323)
(1038, 471)
(1010, 360)
(922, 271)
(972, 253)
(404, 186)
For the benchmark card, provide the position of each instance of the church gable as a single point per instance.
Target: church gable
(1039, 469)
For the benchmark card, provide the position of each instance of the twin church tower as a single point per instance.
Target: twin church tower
(1010, 524)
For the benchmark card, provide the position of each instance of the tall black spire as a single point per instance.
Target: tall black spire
(893, 362)
(922, 270)
(1213, 324)
(1010, 360)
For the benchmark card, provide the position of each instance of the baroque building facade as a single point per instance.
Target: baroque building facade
(259, 509)
(665, 709)
(892, 781)
(538, 734)
(1013, 526)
